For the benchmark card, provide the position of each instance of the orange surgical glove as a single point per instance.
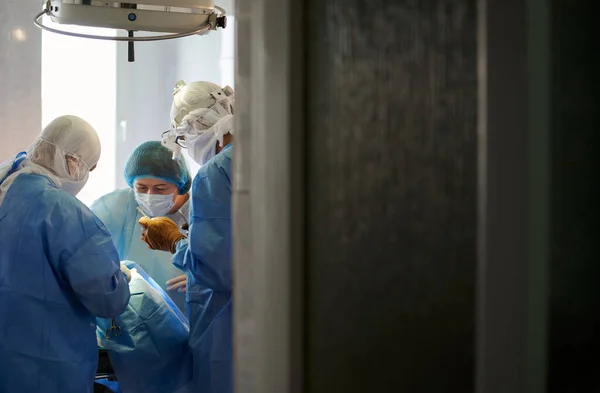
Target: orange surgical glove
(160, 233)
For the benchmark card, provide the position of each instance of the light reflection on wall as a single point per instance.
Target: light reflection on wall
(19, 34)
(79, 78)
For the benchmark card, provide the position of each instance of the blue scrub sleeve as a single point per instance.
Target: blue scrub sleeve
(208, 254)
(95, 276)
(82, 252)
(180, 251)
(112, 210)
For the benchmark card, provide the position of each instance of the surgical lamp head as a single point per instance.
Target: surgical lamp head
(179, 18)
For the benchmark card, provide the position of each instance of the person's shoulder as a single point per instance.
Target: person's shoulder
(50, 198)
(121, 193)
(41, 188)
(55, 198)
(225, 155)
(116, 198)
(75, 212)
(220, 164)
(38, 195)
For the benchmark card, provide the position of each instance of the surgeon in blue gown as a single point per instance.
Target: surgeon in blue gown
(202, 122)
(59, 269)
(159, 186)
(151, 355)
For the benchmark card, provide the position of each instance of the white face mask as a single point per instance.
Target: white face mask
(202, 143)
(72, 186)
(155, 205)
(202, 147)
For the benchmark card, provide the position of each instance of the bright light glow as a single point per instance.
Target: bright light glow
(79, 78)
(19, 34)
(227, 62)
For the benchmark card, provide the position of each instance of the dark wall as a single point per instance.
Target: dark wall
(391, 193)
(575, 269)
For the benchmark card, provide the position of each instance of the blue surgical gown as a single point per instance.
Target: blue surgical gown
(118, 211)
(58, 271)
(151, 355)
(207, 256)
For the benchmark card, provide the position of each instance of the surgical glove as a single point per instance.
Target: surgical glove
(160, 233)
(178, 283)
(127, 272)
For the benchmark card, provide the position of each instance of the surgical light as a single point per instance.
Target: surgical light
(177, 18)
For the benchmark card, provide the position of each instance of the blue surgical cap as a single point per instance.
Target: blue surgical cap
(153, 160)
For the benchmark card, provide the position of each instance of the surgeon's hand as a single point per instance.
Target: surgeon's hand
(128, 272)
(178, 283)
(160, 233)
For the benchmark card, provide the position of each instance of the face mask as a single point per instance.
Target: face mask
(155, 205)
(72, 186)
(202, 147)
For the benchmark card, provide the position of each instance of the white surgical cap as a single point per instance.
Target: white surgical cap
(64, 152)
(202, 105)
(68, 146)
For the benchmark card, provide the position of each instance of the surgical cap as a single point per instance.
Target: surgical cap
(195, 102)
(64, 137)
(153, 160)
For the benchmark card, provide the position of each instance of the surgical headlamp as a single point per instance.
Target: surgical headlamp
(179, 18)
